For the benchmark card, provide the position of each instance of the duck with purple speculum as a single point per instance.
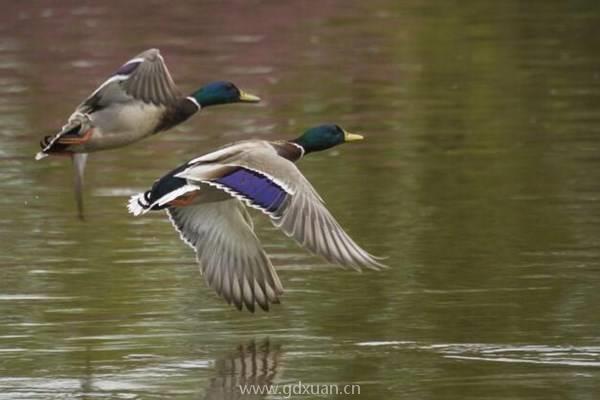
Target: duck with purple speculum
(205, 200)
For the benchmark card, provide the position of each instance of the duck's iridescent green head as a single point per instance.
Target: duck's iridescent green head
(323, 137)
(222, 92)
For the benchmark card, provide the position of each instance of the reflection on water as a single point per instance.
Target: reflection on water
(479, 179)
(250, 364)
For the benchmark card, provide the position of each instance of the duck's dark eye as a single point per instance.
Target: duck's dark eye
(233, 90)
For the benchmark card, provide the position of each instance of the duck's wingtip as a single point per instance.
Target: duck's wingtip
(150, 54)
(372, 263)
(381, 267)
(40, 156)
(137, 204)
(376, 263)
(381, 259)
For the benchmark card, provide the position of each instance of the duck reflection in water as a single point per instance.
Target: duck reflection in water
(250, 366)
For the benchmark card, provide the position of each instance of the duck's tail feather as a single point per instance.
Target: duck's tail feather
(138, 203)
(49, 145)
(141, 203)
(164, 191)
(59, 142)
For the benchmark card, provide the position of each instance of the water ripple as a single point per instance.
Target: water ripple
(580, 356)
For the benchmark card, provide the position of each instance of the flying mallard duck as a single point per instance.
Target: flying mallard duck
(138, 100)
(205, 200)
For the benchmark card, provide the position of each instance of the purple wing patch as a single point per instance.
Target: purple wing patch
(257, 188)
(128, 68)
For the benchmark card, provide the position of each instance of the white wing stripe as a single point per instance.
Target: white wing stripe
(181, 235)
(134, 60)
(114, 78)
(238, 196)
(279, 182)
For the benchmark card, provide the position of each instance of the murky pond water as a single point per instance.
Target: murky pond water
(478, 179)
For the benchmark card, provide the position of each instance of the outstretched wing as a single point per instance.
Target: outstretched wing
(145, 77)
(263, 180)
(230, 256)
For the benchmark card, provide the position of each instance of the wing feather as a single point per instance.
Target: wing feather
(301, 215)
(229, 254)
(144, 77)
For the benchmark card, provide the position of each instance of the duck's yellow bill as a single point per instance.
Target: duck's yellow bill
(248, 98)
(352, 137)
